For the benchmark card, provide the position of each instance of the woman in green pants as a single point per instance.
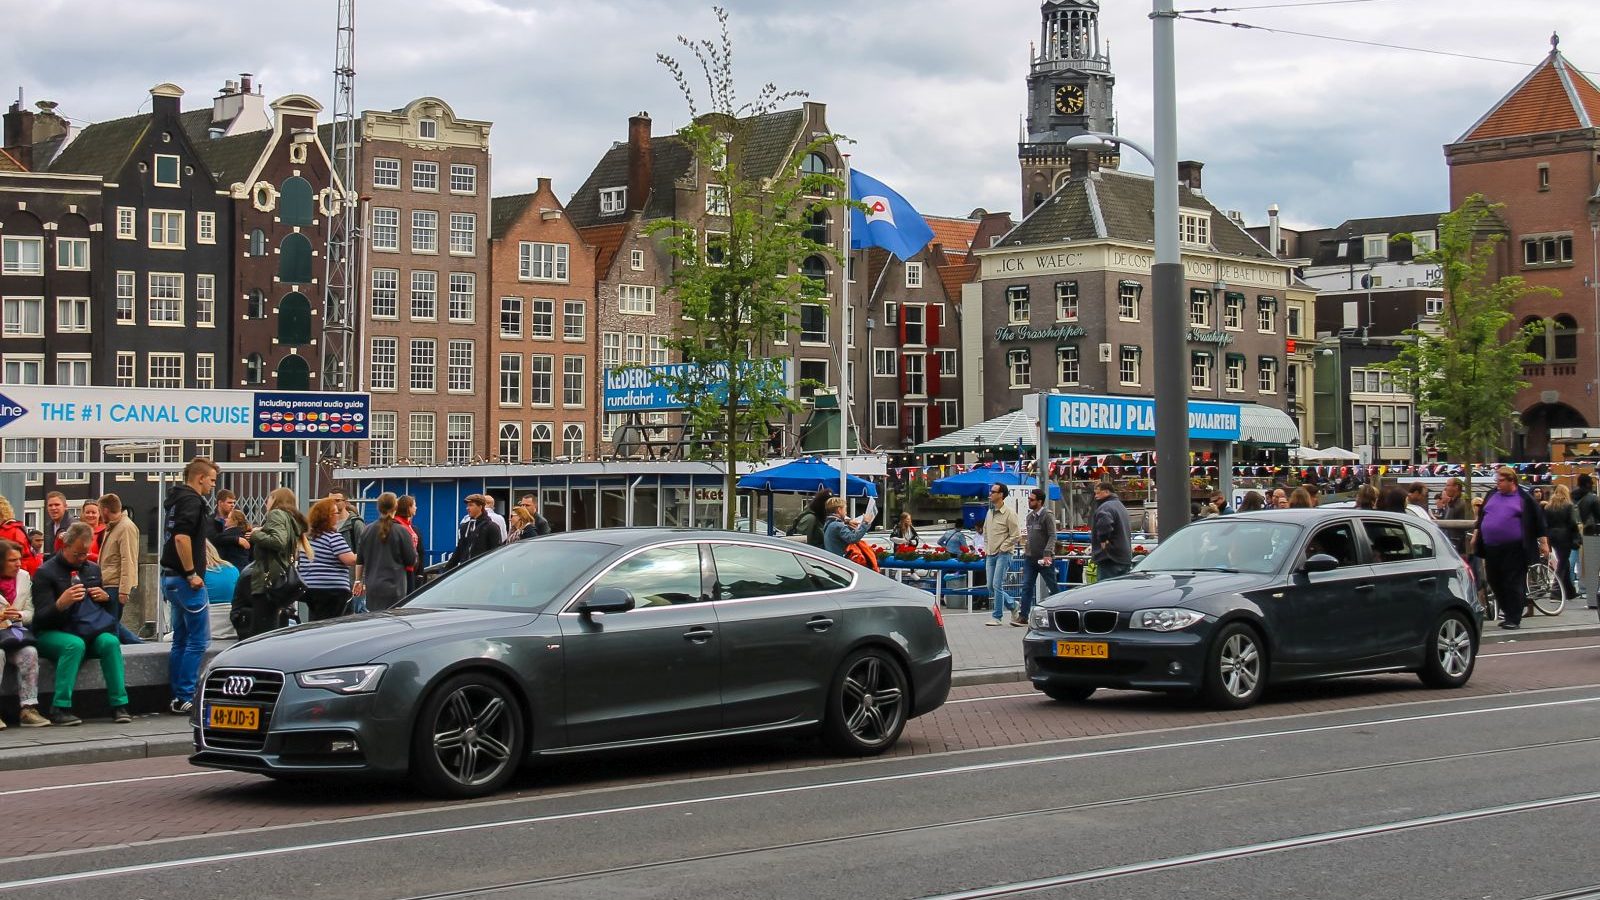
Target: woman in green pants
(74, 617)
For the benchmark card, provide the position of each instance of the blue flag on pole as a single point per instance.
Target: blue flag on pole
(889, 222)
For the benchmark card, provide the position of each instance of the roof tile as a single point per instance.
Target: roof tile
(1542, 103)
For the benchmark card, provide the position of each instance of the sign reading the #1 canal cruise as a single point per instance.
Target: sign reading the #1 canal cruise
(54, 411)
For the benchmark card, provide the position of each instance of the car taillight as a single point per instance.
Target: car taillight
(938, 614)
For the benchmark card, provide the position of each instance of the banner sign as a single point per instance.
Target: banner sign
(1136, 417)
(57, 411)
(640, 389)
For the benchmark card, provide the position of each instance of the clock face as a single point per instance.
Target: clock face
(1069, 99)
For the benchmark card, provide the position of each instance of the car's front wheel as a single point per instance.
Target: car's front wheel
(867, 703)
(1451, 653)
(1068, 693)
(469, 737)
(1236, 668)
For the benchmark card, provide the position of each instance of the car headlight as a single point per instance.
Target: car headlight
(1172, 619)
(346, 680)
(1040, 619)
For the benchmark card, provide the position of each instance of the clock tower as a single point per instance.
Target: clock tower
(1069, 93)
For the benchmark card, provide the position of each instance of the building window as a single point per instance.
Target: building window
(205, 227)
(385, 363)
(458, 438)
(424, 176)
(949, 414)
(572, 378)
(385, 172)
(1128, 293)
(385, 228)
(425, 296)
(24, 317)
(947, 363)
(166, 229)
(511, 317)
(914, 374)
(1267, 375)
(427, 129)
(1066, 301)
(1232, 310)
(884, 362)
(258, 243)
(126, 218)
(205, 370)
(1547, 250)
(1375, 246)
(24, 369)
(381, 438)
(885, 414)
(1199, 307)
(1564, 338)
(541, 442)
(1235, 372)
(463, 233)
(26, 450)
(459, 363)
(658, 349)
(1292, 322)
(913, 274)
(542, 321)
(72, 315)
(22, 256)
(1017, 304)
(636, 260)
(615, 200)
(610, 349)
(424, 354)
(1019, 364)
(166, 171)
(1423, 242)
(72, 450)
(716, 248)
(1128, 365)
(541, 379)
(1194, 228)
(386, 293)
(463, 179)
(1067, 366)
(205, 301)
(717, 199)
(166, 370)
(125, 298)
(72, 371)
(813, 373)
(542, 262)
(510, 442)
(424, 231)
(636, 298)
(813, 323)
(1433, 307)
(166, 298)
(463, 293)
(419, 440)
(511, 379)
(1393, 425)
(891, 313)
(912, 316)
(635, 351)
(1200, 371)
(127, 366)
(572, 320)
(572, 441)
(1265, 308)
(72, 254)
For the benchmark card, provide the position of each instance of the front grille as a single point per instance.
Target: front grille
(262, 693)
(1099, 621)
(1067, 620)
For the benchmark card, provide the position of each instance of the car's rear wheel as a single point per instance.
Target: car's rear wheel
(1236, 668)
(1451, 653)
(469, 737)
(1068, 693)
(868, 704)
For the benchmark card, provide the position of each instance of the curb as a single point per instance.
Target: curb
(1494, 635)
(107, 750)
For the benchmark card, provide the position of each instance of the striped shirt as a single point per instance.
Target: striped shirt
(324, 571)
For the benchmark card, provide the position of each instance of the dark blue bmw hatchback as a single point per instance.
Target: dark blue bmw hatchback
(1231, 604)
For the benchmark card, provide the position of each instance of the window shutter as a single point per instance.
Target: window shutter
(904, 389)
(905, 422)
(932, 376)
(934, 422)
(902, 323)
(934, 315)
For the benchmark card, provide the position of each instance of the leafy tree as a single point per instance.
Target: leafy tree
(736, 281)
(1468, 370)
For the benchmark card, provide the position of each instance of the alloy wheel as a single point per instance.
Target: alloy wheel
(1454, 647)
(1240, 665)
(473, 735)
(874, 704)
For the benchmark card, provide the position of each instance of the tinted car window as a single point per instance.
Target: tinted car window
(1337, 541)
(827, 577)
(1421, 541)
(660, 576)
(1241, 544)
(1389, 540)
(517, 576)
(744, 572)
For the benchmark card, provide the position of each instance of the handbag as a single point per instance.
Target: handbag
(288, 588)
(15, 637)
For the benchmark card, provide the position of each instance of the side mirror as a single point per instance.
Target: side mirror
(1320, 562)
(606, 600)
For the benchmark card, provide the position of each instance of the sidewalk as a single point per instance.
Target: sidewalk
(983, 655)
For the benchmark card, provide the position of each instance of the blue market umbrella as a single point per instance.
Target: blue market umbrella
(976, 482)
(804, 476)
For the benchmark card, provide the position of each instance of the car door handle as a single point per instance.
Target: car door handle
(819, 624)
(1363, 588)
(1427, 579)
(698, 635)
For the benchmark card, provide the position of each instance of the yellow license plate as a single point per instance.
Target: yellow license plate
(1084, 649)
(235, 718)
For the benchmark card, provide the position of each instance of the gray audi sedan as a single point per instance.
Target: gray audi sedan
(1230, 604)
(589, 640)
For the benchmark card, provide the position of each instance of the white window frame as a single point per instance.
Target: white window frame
(13, 261)
(541, 433)
(16, 318)
(1267, 375)
(949, 413)
(885, 362)
(542, 261)
(176, 320)
(1194, 227)
(463, 179)
(572, 440)
(1129, 295)
(949, 362)
(460, 366)
(1130, 362)
(574, 374)
(1235, 365)
(610, 350)
(542, 319)
(509, 435)
(457, 438)
(424, 231)
(126, 297)
(1066, 301)
(1433, 307)
(422, 433)
(72, 315)
(913, 274)
(164, 362)
(1069, 365)
(1019, 368)
(633, 352)
(427, 129)
(126, 370)
(422, 356)
(127, 223)
(385, 360)
(205, 300)
(511, 312)
(658, 350)
(636, 299)
(717, 200)
(69, 450)
(574, 320)
(614, 200)
(462, 303)
(386, 173)
(424, 298)
(1423, 242)
(510, 371)
(1233, 310)
(383, 438)
(385, 235)
(177, 171)
(205, 371)
(77, 253)
(425, 176)
(811, 338)
(1374, 246)
(1200, 371)
(385, 296)
(78, 368)
(463, 234)
(1267, 314)
(636, 260)
(1199, 308)
(205, 227)
(1019, 304)
(169, 234)
(542, 379)
(886, 414)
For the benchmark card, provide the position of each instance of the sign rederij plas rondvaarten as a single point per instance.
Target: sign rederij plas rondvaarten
(41, 411)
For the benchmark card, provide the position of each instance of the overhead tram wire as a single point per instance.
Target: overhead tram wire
(1223, 9)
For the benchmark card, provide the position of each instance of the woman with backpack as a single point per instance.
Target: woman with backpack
(387, 553)
(274, 547)
(814, 518)
(838, 532)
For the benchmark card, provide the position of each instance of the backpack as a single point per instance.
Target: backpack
(15, 533)
(862, 554)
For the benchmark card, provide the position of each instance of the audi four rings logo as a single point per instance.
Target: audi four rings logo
(238, 685)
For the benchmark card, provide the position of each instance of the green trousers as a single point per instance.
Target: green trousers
(67, 652)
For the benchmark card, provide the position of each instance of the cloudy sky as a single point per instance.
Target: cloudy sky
(929, 90)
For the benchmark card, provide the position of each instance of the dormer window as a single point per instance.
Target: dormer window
(613, 200)
(1375, 246)
(1423, 242)
(166, 171)
(427, 129)
(1194, 228)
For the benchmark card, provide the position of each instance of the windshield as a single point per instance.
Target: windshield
(525, 575)
(1237, 543)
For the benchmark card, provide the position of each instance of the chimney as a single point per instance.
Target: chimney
(244, 82)
(48, 125)
(19, 133)
(1082, 162)
(1274, 232)
(640, 162)
(1189, 174)
(164, 99)
(236, 110)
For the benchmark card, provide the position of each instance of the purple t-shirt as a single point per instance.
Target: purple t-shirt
(1502, 519)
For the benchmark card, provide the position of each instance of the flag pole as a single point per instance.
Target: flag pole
(844, 345)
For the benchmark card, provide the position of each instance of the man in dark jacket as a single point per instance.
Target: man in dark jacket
(1588, 503)
(1511, 537)
(183, 583)
(1038, 551)
(1113, 539)
(477, 536)
(73, 617)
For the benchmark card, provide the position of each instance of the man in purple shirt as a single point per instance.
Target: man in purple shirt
(1511, 537)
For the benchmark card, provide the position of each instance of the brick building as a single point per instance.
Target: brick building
(1537, 151)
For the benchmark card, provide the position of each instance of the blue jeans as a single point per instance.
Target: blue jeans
(123, 634)
(191, 634)
(995, 568)
(1032, 570)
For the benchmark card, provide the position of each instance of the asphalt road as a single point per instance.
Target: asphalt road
(1369, 788)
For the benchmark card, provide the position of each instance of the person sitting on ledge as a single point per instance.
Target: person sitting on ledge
(74, 617)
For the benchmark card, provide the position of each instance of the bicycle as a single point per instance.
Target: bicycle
(1546, 593)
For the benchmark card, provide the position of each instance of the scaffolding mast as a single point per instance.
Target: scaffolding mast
(339, 369)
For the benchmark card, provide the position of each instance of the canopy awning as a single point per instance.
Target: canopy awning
(975, 482)
(1266, 427)
(804, 476)
(1009, 430)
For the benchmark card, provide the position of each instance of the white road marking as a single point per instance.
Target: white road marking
(1551, 650)
(91, 784)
